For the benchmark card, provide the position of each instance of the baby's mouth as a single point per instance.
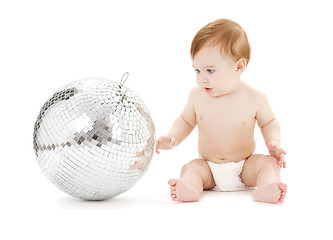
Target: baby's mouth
(208, 90)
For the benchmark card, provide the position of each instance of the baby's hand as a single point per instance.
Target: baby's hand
(165, 142)
(276, 151)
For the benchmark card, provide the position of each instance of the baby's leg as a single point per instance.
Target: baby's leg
(195, 177)
(263, 171)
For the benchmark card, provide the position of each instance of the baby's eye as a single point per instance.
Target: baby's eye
(210, 70)
(197, 70)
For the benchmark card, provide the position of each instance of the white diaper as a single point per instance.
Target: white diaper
(227, 176)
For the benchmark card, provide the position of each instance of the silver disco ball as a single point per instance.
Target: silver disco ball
(94, 138)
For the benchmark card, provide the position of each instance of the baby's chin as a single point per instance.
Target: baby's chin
(213, 92)
(216, 93)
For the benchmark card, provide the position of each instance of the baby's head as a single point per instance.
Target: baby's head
(220, 52)
(228, 35)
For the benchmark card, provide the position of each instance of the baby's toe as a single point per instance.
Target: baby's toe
(283, 186)
(172, 182)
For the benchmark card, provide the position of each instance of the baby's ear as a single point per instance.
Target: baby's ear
(240, 65)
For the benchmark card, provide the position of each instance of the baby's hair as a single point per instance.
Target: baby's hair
(229, 35)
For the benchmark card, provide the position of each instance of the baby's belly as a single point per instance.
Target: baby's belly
(226, 150)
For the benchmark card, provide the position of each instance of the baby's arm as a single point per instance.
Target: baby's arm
(270, 129)
(181, 128)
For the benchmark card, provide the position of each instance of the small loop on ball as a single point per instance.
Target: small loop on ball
(123, 79)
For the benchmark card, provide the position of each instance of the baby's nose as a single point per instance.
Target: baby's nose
(204, 80)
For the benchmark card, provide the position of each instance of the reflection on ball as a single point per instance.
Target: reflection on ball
(94, 138)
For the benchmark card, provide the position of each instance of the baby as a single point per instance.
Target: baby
(225, 109)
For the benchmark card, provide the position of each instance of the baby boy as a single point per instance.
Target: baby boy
(225, 109)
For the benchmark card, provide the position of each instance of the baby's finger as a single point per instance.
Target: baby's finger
(281, 161)
(159, 144)
(173, 142)
(284, 151)
(280, 164)
(161, 140)
(156, 148)
(281, 157)
(281, 151)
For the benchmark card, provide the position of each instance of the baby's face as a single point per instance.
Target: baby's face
(216, 73)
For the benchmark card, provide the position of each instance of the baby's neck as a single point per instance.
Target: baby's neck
(237, 87)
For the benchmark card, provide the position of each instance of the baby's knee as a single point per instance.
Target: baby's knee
(191, 166)
(269, 161)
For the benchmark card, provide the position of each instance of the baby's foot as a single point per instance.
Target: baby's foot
(271, 193)
(182, 191)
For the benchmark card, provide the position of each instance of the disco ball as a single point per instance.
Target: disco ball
(94, 138)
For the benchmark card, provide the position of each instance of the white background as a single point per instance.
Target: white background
(46, 44)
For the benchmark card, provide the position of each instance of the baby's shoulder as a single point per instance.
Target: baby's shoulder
(195, 92)
(254, 93)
